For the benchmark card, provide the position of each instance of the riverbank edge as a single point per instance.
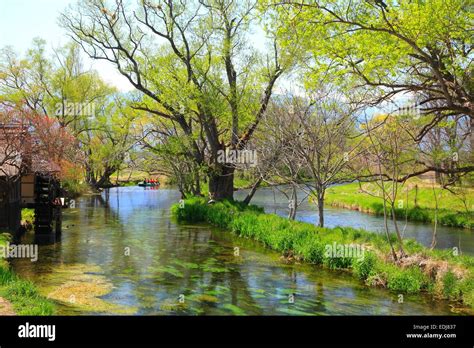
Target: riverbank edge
(439, 273)
(364, 204)
(22, 294)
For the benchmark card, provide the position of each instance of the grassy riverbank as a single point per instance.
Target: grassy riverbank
(453, 210)
(440, 273)
(22, 294)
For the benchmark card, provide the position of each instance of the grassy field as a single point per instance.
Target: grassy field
(22, 294)
(437, 272)
(455, 210)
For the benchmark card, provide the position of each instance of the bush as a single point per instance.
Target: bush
(409, 280)
(364, 267)
(21, 288)
(450, 285)
(466, 290)
(74, 188)
(338, 262)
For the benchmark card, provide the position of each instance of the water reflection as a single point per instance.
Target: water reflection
(126, 243)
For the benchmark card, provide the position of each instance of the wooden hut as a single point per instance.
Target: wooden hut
(12, 163)
(27, 180)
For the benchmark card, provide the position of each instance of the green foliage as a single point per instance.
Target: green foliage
(466, 289)
(74, 188)
(23, 294)
(28, 215)
(364, 267)
(309, 243)
(6, 275)
(450, 285)
(409, 280)
(26, 300)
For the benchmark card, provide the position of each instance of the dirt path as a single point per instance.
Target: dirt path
(6, 307)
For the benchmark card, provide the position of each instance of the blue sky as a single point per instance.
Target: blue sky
(23, 20)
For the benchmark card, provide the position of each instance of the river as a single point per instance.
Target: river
(121, 253)
(447, 237)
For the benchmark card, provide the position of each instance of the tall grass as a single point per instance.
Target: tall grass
(23, 294)
(309, 243)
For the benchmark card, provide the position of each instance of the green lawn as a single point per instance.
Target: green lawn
(453, 209)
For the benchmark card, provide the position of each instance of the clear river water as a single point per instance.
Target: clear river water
(121, 253)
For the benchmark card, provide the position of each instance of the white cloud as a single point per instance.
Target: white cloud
(109, 74)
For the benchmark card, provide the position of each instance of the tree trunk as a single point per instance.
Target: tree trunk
(433, 239)
(104, 180)
(221, 185)
(254, 188)
(293, 203)
(321, 208)
(472, 137)
(397, 231)
(416, 196)
(196, 189)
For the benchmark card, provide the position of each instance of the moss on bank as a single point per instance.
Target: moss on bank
(22, 294)
(420, 205)
(438, 272)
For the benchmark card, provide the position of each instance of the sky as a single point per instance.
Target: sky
(23, 20)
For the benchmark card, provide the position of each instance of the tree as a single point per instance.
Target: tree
(111, 138)
(192, 65)
(279, 162)
(29, 138)
(393, 48)
(389, 157)
(316, 141)
(170, 153)
(64, 93)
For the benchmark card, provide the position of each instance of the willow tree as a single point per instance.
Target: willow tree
(61, 88)
(394, 49)
(192, 64)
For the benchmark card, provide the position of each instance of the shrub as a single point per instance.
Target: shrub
(466, 290)
(338, 262)
(450, 285)
(364, 267)
(409, 280)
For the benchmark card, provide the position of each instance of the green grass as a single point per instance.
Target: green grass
(309, 243)
(451, 209)
(27, 215)
(23, 294)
